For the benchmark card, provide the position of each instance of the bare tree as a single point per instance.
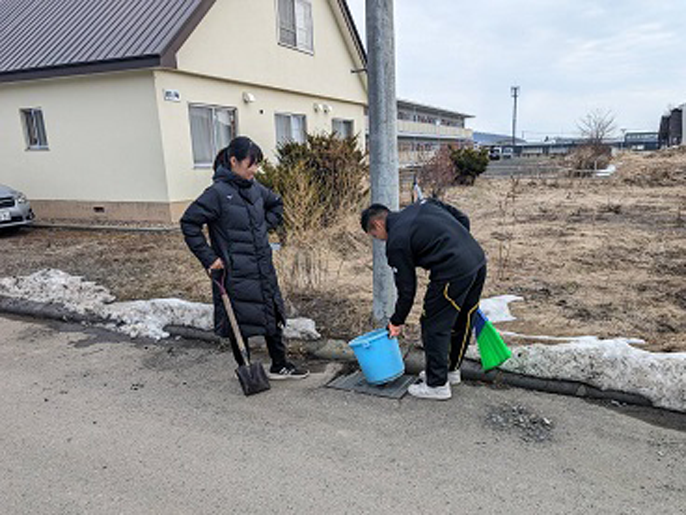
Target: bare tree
(597, 126)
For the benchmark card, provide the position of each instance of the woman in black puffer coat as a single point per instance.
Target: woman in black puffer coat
(239, 212)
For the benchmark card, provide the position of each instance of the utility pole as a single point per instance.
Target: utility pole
(383, 139)
(514, 90)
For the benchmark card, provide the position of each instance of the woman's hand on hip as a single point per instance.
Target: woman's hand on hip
(217, 265)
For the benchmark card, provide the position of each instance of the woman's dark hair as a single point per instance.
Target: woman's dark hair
(241, 148)
(372, 213)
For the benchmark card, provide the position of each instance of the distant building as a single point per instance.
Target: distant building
(641, 140)
(423, 129)
(672, 128)
(489, 139)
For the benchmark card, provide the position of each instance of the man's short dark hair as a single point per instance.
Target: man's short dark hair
(372, 213)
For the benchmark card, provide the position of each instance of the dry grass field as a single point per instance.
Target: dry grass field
(590, 256)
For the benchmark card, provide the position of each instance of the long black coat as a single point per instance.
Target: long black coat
(238, 214)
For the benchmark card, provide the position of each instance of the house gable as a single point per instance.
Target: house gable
(238, 41)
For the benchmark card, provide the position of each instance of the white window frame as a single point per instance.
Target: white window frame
(293, 137)
(214, 143)
(344, 121)
(297, 32)
(34, 128)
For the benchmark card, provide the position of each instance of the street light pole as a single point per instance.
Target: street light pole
(514, 90)
(383, 139)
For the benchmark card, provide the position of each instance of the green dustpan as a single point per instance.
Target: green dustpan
(492, 348)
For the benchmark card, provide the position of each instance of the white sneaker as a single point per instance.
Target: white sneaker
(453, 377)
(424, 391)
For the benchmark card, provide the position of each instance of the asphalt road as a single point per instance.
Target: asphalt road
(92, 423)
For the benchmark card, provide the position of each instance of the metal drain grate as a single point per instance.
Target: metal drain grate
(356, 382)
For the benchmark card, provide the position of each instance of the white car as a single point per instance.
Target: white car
(15, 209)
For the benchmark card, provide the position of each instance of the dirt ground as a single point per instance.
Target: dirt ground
(590, 256)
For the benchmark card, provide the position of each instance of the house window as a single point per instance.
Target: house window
(295, 24)
(290, 128)
(343, 128)
(34, 129)
(212, 128)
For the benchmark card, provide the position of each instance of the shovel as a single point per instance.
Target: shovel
(252, 376)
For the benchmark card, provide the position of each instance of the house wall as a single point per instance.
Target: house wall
(238, 40)
(105, 146)
(255, 120)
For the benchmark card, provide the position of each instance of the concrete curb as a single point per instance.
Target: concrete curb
(29, 308)
(110, 228)
(472, 371)
(338, 350)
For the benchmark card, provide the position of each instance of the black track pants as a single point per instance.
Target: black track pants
(275, 347)
(447, 322)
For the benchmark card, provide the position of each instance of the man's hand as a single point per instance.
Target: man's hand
(394, 330)
(217, 265)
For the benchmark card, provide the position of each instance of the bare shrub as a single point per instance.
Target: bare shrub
(438, 173)
(587, 158)
(320, 180)
(450, 166)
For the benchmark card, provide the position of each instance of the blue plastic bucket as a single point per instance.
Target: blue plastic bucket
(379, 356)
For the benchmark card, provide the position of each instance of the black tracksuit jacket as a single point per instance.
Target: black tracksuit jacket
(434, 236)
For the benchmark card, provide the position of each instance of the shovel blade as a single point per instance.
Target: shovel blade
(253, 378)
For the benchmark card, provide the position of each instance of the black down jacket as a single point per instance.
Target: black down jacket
(238, 214)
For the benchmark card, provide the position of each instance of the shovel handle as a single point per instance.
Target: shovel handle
(232, 317)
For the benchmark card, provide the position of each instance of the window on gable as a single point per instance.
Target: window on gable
(212, 128)
(290, 128)
(34, 129)
(342, 128)
(295, 24)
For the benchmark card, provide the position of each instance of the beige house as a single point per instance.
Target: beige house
(116, 110)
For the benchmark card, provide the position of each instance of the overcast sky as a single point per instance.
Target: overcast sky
(568, 56)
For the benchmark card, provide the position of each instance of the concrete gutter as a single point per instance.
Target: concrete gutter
(103, 228)
(472, 371)
(338, 350)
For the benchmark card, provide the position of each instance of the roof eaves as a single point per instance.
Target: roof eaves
(168, 54)
(353, 30)
(434, 109)
(134, 63)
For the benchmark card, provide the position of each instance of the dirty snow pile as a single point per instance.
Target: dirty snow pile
(497, 309)
(59, 287)
(611, 364)
(140, 318)
(608, 365)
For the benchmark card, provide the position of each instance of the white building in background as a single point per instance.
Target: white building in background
(423, 129)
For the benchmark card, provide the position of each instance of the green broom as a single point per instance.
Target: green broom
(492, 348)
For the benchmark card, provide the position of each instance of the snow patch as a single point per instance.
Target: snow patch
(301, 329)
(149, 317)
(497, 309)
(56, 286)
(140, 318)
(609, 365)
